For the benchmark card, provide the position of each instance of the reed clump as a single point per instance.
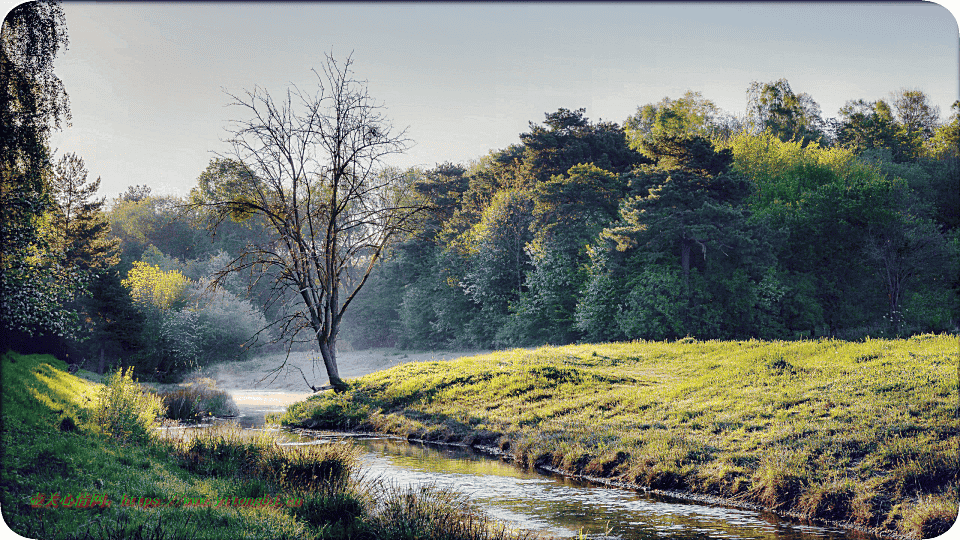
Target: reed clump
(196, 400)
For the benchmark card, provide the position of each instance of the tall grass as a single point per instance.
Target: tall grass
(196, 400)
(432, 513)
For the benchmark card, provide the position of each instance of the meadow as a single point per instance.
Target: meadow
(863, 434)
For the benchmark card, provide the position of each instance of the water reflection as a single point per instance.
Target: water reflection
(559, 506)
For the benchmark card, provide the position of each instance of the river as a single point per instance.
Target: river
(534, 500)
(562, 507)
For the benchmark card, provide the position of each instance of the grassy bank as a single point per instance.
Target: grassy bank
(858, 433)
(82, 460)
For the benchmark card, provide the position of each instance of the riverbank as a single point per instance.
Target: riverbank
(270, 383)
(863, 434)
(81, 460)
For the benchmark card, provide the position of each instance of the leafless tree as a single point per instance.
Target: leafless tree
(310, 167)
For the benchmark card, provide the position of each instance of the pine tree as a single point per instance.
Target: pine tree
(80, 229)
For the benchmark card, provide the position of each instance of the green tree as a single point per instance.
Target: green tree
(945, 142)
(495, 249)
(152, 287)
(907, 250)
(164, 222)
(602, 295)
(918, 120)
(569, 213)
(117, 323)
(867, 126)
(790, 116)
(34, 285)
(845, 220)
(80, 228)
(688, 116)
(688, 226)
(568, 138)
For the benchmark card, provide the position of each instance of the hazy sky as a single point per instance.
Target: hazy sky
(146, 81)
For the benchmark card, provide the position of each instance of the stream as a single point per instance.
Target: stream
(551, 504)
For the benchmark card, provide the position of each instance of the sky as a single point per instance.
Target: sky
(148, 81)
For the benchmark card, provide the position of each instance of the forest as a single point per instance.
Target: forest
(775, 222)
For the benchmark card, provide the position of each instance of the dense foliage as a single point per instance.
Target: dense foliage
(34, 282)
(688, 221)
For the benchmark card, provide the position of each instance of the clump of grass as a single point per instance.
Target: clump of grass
(223, 450)
(931, 516)
(312, 467)
(833, 500)
(438, 514)
(780, 478)
(337, 511)
(124, 409)
(226, 450)
(196, 400)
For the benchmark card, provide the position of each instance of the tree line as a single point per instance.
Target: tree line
(684, 221)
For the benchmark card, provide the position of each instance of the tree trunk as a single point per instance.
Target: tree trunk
(328, 350)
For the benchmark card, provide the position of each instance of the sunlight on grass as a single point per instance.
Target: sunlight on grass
(67, 437)
(858, 432)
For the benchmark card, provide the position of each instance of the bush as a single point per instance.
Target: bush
(124, 409)
(225, 326)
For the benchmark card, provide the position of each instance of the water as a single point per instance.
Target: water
(534, 500)
(254, 405)
(563, 507)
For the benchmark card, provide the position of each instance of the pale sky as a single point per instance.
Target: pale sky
(146, 80)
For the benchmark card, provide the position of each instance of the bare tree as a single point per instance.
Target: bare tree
(311, 168)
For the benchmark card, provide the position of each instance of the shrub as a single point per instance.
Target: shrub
(225, 326)
(124, 409)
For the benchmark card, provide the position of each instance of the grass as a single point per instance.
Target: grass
(861, 433)
(87, 443)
